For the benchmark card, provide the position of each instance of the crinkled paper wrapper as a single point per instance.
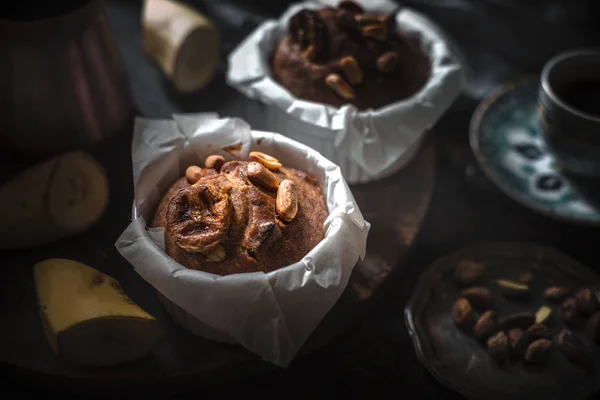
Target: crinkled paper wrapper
(367, 145)
(270, 314)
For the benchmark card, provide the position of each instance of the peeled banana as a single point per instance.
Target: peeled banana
(88, 319)
(183, 43)
(53, 200)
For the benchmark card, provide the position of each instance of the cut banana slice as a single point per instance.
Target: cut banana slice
(182, 42)
(52, 200)
(87, 317)
(25, 221)
(78, 192)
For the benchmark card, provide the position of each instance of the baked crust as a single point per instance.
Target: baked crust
(255, 238)
(303, 61)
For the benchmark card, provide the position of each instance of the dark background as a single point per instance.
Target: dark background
(499, 40)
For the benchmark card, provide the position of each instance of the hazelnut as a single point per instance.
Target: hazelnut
(480, 297)
(462, 313)
(486, 325)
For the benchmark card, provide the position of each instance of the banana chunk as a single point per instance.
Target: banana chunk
(78, 193)
(88, 319)
(52, 200)
(183, 43)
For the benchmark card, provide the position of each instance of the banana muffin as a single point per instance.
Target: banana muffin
(341, 55)
(241, 216)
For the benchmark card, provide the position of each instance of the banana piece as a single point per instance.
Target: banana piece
(184, 44)
(24, 218)
(88, 319)
(52, 200)
(78, 193)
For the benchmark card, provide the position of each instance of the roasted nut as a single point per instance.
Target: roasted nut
(486, 325)
(286, 203)
(587, 302)
(522, 320)
(194, 173)
(568, 310)
(387, 61)
(514, 335)
(340, 86)
(593, 327)
(366, 20)
(351, 70)
(198, 217)
(538, 351)
(513, 290)
(535, 332)
(538, 331)
(556, 293)
(265, 159)
(214, 162)
(468, 272)
(480, 297)
(543, 314)
(375, 31)
(526, 278)
(216, 254)
(259, 175)
(351, 6)
(574, 349)
(462, 313)
(498, 346)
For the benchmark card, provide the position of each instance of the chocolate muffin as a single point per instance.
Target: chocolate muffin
(341, 55)
(241, 216)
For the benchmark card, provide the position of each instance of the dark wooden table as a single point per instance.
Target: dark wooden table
(375, 358)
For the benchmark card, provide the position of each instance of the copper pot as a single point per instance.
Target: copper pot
(63, 83)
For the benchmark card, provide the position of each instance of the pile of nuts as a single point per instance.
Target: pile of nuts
(258, 172)
(199, 217)
(527, 336)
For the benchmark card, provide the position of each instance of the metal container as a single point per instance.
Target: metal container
(63, 83)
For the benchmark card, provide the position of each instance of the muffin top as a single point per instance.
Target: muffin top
(341, 55)
(241, 216)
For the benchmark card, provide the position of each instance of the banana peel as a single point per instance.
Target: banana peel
(52, 200)
(88, 319)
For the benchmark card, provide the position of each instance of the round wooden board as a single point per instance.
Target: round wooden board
(395, 207)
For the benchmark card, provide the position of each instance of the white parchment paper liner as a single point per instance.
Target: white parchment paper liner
(270, 314)
(366, 144)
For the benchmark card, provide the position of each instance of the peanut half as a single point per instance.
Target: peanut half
(387, 61)
(286, 203)
(340, 86)
(375, 31)
(259, 175)
(351, 70)
(265, 159)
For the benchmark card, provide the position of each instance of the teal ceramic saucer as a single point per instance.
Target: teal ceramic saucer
(507, 140)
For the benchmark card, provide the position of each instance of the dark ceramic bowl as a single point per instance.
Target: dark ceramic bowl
(571, 127)
(460, 362)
